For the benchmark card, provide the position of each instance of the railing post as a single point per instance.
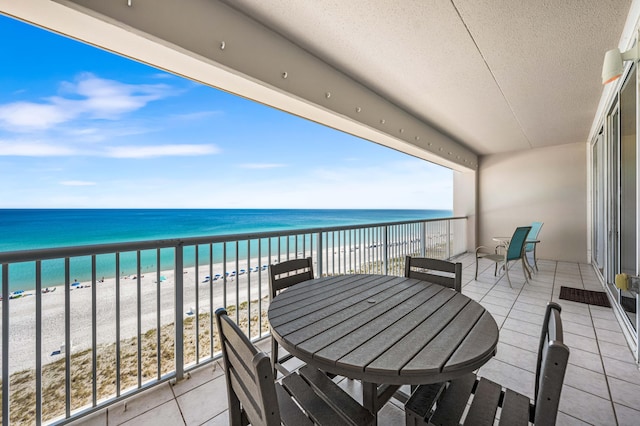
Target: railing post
(448, 238)
(319, 255)
(385, 242)
(38, 343)
(67, 337)
(179, 308)
(423, 239)
(5, 344)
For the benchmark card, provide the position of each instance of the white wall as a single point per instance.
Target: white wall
(547, 185)
(465, 204)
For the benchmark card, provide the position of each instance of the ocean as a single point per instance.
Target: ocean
(28, 229)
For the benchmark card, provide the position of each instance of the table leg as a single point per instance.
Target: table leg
(374, 397)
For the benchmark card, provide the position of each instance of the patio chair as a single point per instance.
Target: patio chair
(447, 274)
(533, 236)
(451, 399)
(513, 250)
(281, 276)
(304, 398)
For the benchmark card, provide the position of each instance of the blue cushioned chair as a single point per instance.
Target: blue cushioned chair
(513, 250)
(533, 236)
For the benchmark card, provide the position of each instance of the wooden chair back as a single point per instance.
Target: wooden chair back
(283, 275)
(553, 356)
(250, 384)
(451, 399)
(447, 274)
(290, 272)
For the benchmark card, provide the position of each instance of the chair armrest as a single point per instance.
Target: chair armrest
(502, 246)
(479, 253)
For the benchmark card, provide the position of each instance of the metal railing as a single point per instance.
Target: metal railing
(142, 313)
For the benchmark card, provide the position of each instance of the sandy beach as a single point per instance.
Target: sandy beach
(22, 325)
(211, 295)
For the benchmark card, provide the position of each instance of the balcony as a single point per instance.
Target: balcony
(184, 380)
(515, 133)
(141, 313)
(601, 386)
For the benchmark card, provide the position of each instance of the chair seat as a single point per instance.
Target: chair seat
(491, 256)
(324, 402)
(451, 400)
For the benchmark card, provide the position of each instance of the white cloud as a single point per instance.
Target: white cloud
(88, 131)
(88, 97)
(31, 116)
(261, 166)
(77, 183)
(33, 149)
(160, 151)
(198, 115)
(26, 148)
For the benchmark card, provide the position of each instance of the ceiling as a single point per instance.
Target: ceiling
(444, 80)
(497, 75)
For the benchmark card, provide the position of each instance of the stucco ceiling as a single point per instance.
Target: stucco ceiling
(498, 75)
(444, 80)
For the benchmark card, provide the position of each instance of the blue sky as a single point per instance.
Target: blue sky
(84, 128)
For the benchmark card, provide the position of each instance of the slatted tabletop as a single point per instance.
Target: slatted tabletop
(383, 329)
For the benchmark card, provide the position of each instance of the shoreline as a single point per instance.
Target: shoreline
(22, 327)
(154, 299)
(211, 295)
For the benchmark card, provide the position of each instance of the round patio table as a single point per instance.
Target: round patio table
(383, 330)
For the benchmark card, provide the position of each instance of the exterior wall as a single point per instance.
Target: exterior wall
(465, 204)
(546, 184)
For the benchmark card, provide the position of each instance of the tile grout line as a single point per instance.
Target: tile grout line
(606, 377)
(175, 398)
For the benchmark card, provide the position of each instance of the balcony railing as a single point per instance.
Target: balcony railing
(138, 314)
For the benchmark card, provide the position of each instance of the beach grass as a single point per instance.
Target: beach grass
(23, 383)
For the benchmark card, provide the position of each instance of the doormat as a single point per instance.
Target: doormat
(598, 298)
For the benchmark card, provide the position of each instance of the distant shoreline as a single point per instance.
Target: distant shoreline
(23, 328)
(73, 227)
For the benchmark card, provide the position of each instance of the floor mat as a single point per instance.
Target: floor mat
(598, 298)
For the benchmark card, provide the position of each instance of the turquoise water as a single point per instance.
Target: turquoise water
(27, 229)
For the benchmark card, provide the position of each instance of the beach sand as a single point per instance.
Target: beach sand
(22, 323)
(211, 295)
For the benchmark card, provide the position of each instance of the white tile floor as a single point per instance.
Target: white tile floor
(602, 383)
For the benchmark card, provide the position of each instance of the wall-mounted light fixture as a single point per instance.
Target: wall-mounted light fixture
(613, 67)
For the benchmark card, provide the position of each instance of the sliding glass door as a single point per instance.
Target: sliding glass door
(626, 176)
(598, 205)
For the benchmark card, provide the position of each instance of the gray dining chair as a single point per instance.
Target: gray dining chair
(306, 397)
(281, 276)
(445, 273)
(484, 396)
